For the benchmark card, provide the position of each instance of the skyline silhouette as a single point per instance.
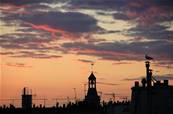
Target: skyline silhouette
(52, 46)
(49, 45)
(104, 86)
(152, 96)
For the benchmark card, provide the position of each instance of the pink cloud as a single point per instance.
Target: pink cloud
(14, 9)
(53, 31)
(146, 11)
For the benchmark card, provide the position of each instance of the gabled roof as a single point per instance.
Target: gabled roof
(92, 77)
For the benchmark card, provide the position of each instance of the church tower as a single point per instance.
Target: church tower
(92, 97)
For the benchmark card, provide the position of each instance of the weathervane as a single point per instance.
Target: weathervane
(92, 66)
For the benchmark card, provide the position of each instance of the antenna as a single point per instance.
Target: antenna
(85, 89)
(75, 94)
(111, 94)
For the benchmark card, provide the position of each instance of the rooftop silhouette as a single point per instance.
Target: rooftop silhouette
(150, 97)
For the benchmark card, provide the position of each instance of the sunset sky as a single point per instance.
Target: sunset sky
(49, 45)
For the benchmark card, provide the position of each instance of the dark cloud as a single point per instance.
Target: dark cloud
(133, 79)
(70, 21)
(108, 32)
(165, 77)
(29, 54)
(85, 61)
(146, 14)
(159, 77)
(161, 50)
(164, 64)
(121, 63)
(119, 3)
(6, 53)
(98, 4)
(28, 45)
(93, 40)
(105, 83)
(164, 2)
(24, 41)
(149, 9)
(122, 5)
(152, 32)
(121, 16)
(25, 2)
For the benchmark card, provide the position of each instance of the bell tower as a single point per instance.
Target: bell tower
(92, 97)
(92, 81)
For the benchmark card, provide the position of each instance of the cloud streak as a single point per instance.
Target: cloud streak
(159, 77)
(85, 61)
(21, 65)
(50, 24)
(123, 51)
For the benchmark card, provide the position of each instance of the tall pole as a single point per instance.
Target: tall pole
(75, 95)
(149, 84)
(148, 74)
(85, 89)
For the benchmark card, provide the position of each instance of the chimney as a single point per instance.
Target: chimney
(24, 91)
(166, 82)
(136, 84)
(158, 83)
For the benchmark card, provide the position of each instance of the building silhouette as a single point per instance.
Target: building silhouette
(152, 96)
(26, 99)
(92, 97)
